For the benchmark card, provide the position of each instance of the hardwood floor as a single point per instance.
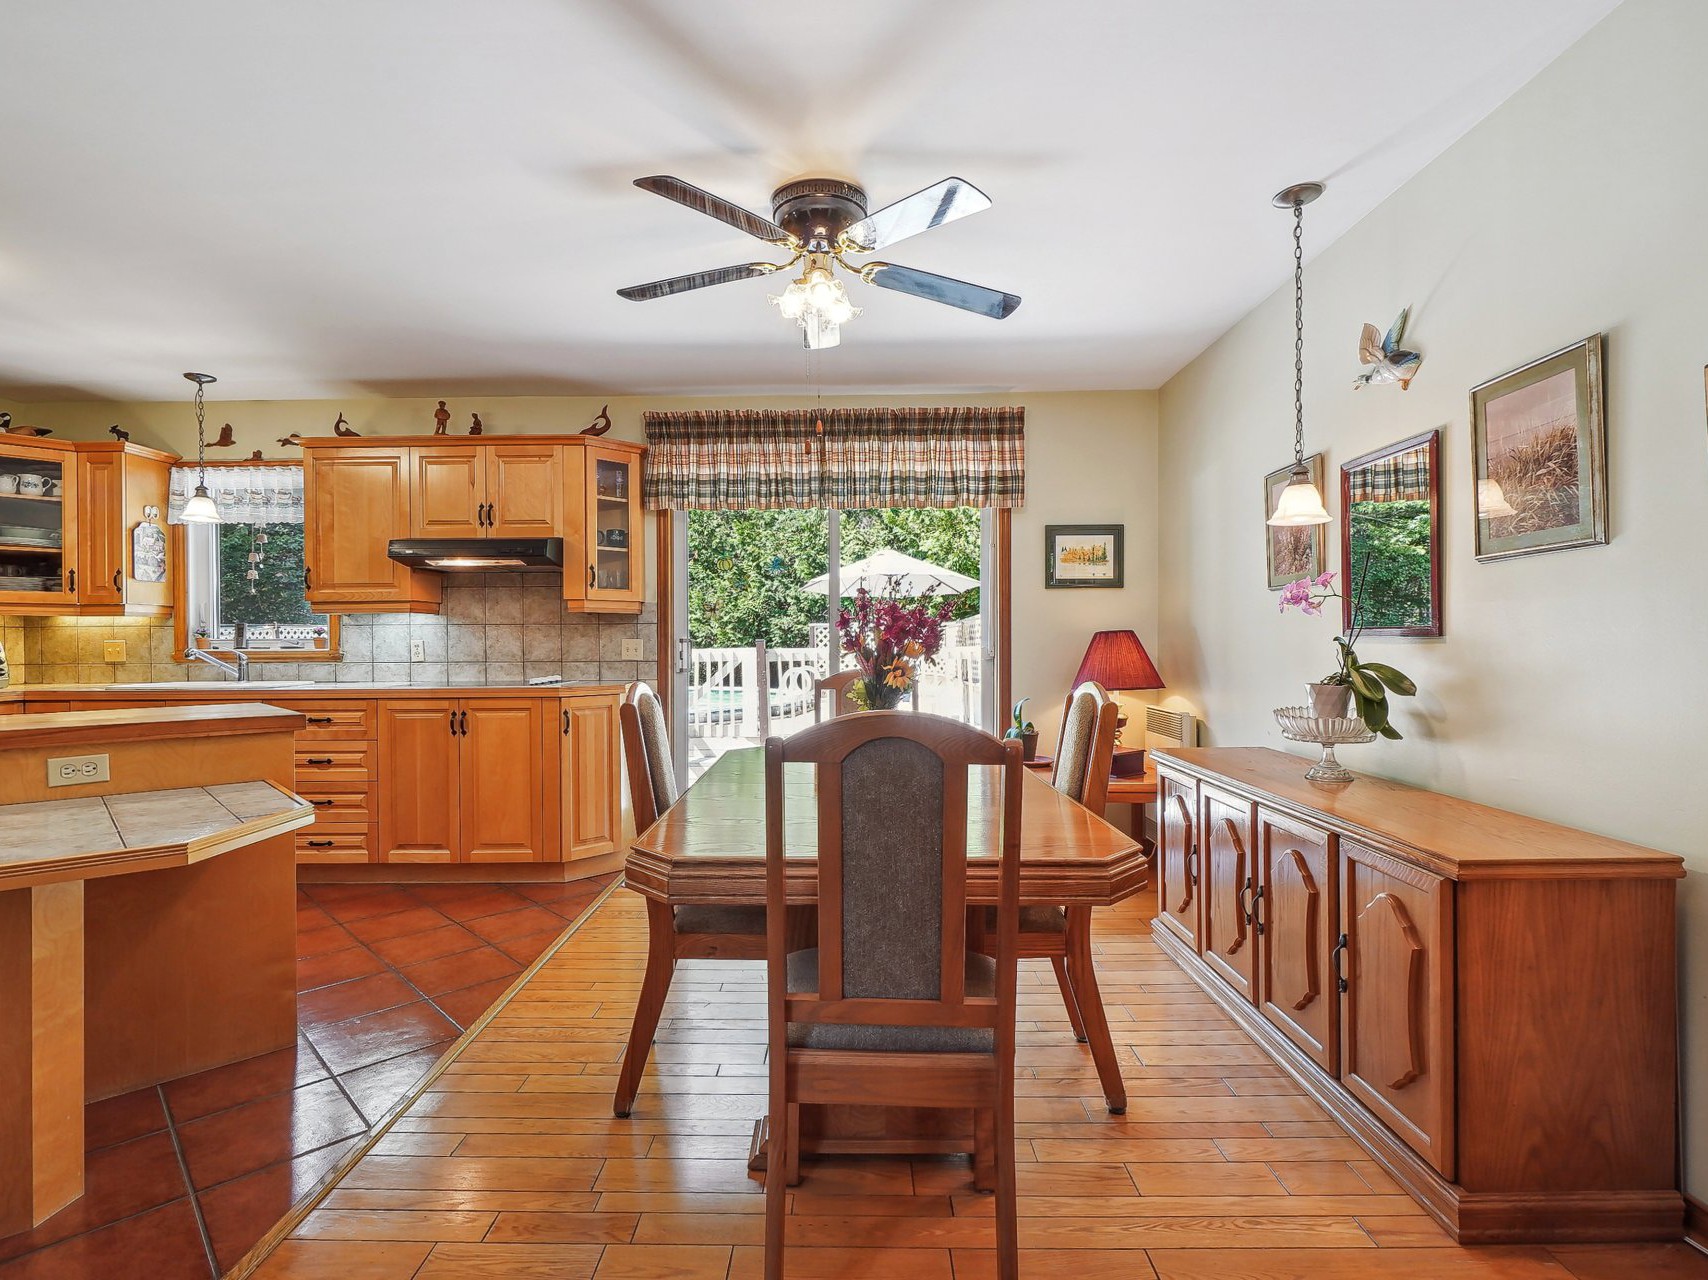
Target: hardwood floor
(510, 1163)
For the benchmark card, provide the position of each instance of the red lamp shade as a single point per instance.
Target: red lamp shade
(1116, 660)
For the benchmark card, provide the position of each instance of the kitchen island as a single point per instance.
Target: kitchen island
(147, 917)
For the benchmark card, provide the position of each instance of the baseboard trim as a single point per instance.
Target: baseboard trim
(1469, 1217)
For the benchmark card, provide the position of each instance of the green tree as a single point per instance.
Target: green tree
(278, 590)
(1393, 591)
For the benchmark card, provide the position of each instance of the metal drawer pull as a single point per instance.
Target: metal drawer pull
(320, 844)
(321, 804)
(319, 760)
(320, 719)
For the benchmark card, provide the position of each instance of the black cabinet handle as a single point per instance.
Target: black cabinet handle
(320, 719)
(463, 724)
(1334, 962)
(453, 720)
(1244, 907)
(307, 578)
(320, 844)
(71, 580)
(321, 804)
(1256, 914)
(566, 719)
(318, 760)
(118, 579)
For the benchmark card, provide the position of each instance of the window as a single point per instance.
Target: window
(242, 579)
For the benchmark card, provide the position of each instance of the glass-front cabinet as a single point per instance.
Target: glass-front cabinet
(38, 524)
(609, 576)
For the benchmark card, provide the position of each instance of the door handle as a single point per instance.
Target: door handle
(453, 722)
(71, 580)
(566, 719)
(1244, 906)
(320, 719)
(307, 578)
(590, 573)
(1334, 962)
(1256, 914)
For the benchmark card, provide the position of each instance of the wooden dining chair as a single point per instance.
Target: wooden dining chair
(892, 1007)
(837, 687)
(1062, 934)
(680, 933)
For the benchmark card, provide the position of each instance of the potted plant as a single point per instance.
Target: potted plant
(889, 641)
(320, 638)
(1367, 684)
(1024, 730)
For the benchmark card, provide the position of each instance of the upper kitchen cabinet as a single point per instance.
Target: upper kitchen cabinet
(364, 493)
(603, 569)
(357, 499)
(508, 490)
(69, 519)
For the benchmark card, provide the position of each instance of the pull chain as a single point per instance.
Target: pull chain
(1299, 333)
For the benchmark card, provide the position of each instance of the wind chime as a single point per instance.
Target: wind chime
(257, 556)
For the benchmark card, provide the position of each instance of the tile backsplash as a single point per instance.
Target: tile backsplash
(493, 628)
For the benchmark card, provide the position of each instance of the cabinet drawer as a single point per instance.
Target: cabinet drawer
(334, 762)
(335, 844)
(334, 721)
(338, 804)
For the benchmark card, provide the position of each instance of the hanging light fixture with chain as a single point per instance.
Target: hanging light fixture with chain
(200, 508)
(1299, 503)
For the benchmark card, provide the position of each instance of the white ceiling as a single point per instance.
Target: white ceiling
(413, 197)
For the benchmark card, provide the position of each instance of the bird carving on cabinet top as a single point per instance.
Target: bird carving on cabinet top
(292, 439)
(1389, 363)
(342, 428)
(226, 439)
(600, 425)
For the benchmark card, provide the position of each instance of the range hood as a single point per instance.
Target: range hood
(477, 555)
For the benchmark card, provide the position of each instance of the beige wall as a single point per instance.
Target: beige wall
(1091, 458)
(1570, 685)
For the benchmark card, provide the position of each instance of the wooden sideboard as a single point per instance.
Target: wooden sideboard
(1487, 1002)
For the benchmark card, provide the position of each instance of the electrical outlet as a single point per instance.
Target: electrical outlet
(631, 651)
(113, 651)
(418, 651)
(76, 771)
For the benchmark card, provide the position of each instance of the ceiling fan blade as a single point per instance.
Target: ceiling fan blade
(949, 199)
(714, 206)
(955, 293)
(696, 280)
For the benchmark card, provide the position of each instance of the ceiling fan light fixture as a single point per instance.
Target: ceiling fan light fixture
(818, 302)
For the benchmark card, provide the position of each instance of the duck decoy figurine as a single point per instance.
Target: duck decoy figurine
(226, 439)
(1389, 363)
(600, 425)
(5, 422)
(118, 433)
(292, 439)
(342, 428)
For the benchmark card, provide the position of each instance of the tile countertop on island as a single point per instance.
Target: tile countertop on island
(203, 691)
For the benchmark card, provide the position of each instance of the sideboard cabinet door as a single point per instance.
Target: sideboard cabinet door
(1177, 861)
(1397, 1006)
(1228, 883)
(1298, 917)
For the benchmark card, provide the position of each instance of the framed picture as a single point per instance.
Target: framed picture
(1539, 453)
(1083, 555)
(1293, 551)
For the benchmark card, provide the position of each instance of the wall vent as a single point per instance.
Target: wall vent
(1169, 729)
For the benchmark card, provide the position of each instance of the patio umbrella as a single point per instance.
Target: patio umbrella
(912, 577)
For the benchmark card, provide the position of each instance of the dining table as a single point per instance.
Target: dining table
(709, 849)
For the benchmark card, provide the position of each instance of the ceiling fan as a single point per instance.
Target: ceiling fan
(819, 222)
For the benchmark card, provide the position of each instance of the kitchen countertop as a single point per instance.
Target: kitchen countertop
(202, 690)
(84, 837)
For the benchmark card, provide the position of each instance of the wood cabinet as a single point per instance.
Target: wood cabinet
(604, 535)
(362, 494)
(68, 512)
(1485, 1001)
(357, 501)
(464, 780)
(1177, 857)
(590, 758)
(1228, 941)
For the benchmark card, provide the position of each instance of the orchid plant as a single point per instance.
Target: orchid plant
(1371, 682)
(889, 641)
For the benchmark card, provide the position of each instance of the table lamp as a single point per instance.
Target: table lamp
(1116, 660)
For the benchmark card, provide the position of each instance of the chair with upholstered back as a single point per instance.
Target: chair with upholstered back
(838, 688)
(682, 933)
(893, 1007)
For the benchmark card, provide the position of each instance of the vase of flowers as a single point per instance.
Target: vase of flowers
(889, 641)
(1366, 683)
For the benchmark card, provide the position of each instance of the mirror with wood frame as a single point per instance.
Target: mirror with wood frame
(1390, 539)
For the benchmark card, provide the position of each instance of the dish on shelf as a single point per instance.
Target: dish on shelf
(31, 534)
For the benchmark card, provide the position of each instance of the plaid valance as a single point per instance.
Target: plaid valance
(1402, 477)
(728, 460)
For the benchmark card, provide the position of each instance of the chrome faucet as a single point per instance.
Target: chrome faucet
(240, 670)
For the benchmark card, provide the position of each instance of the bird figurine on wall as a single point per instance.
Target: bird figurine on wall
(226, 439)
(441, 419)
(288, 441)
(1388, 363)
(600, 425)
(118, 433)
(342, 428)
(475, 427)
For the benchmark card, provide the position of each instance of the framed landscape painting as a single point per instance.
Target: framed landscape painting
(1083, 555)
(1539, 448)
(1293, 551)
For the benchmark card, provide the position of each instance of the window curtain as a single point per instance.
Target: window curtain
(729, 460)
(244, 495)
(1404, 477)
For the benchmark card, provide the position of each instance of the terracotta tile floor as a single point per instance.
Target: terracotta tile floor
(184, 1178)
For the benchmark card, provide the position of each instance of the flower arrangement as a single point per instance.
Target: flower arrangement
(1369, 682)
(889, 642)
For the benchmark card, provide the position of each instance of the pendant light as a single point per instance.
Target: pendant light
(1299, 503)
(200, 509)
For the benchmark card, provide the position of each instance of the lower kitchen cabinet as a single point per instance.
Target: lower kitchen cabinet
(420, 811)
(591, 763)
